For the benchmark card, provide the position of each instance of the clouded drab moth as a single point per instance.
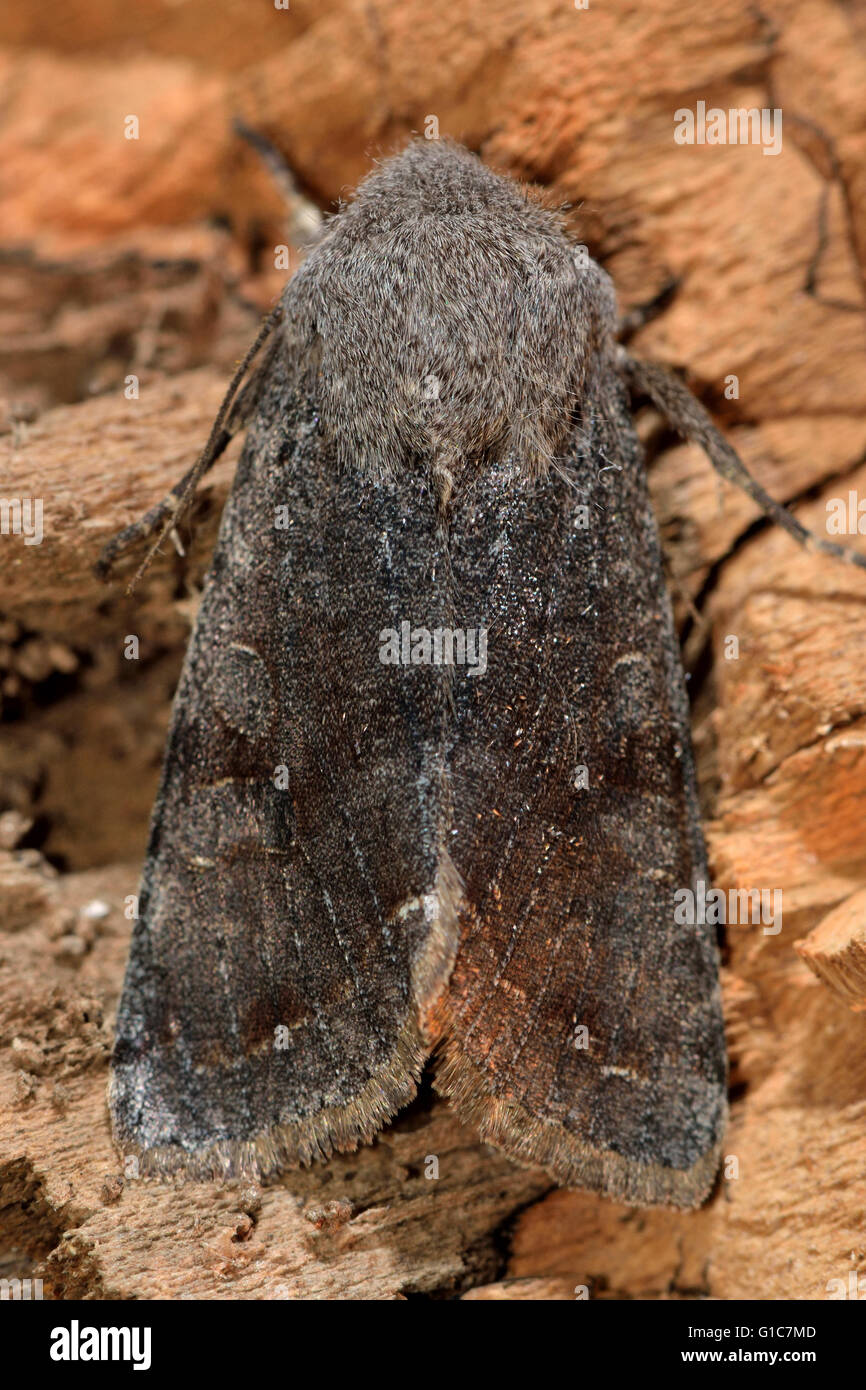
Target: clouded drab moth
(370, 848)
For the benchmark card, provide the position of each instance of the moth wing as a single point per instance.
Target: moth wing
(582, 1026)
(294, 919)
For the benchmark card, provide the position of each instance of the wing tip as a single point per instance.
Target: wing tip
(543, 1143)
(284, 1145)
(290, 1144)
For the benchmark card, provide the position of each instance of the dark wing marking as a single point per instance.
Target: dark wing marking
(567, 920)
(291, 935)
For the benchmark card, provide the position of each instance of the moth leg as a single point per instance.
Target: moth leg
(642, 314)
(145, 526)
(238, 406)
(689, 418)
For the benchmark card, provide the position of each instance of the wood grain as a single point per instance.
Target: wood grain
(768, 257)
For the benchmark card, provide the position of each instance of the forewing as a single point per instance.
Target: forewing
(290, 932)
(582, 1026)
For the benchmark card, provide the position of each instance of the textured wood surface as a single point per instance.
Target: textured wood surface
(836, 950)
(153, 258)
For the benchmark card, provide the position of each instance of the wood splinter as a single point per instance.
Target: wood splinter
(836, 950)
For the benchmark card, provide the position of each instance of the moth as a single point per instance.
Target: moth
(368, 852)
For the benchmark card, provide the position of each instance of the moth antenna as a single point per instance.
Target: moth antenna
(305, 219)
(689, 418)
(170, 510)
